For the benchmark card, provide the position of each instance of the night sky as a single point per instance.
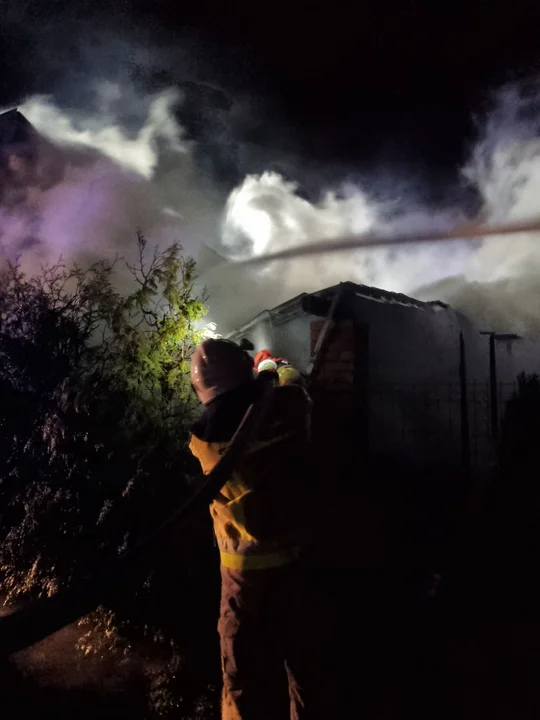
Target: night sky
(344, 85)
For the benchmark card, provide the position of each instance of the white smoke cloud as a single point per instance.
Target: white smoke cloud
(495, 281)
(266, 214)
(109, 181)
(97, 183)
(101, 134)
(500, 283)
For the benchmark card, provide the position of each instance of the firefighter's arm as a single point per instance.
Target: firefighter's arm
(208, 454)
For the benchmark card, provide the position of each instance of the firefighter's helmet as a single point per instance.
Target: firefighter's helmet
(218, 366)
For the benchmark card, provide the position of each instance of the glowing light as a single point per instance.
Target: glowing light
(210, 331)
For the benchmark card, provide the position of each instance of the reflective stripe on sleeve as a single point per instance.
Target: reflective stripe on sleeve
(259, 562)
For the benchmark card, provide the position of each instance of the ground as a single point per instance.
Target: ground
(457, 658)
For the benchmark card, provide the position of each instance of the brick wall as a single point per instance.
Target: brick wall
(352, 520)
(339, 389)
(335, 369)
(334, 394)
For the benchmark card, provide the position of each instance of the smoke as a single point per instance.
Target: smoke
(96, 183)
(126, 162)
(98, 180)
(500, 283)
(266, 214)
(496, 281)
(104, 136)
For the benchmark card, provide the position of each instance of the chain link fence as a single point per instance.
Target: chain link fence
(437, 423)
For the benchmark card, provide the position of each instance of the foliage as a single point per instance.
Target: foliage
(504, 550)
(518, 490)
(519, 432)
(96, 405)
(96, 402)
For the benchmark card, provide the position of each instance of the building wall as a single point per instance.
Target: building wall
(289, 338)
(335, 369)
(293, 340)
(388, 425)
(353, 514)
(414, 381)
(410, 345)
(400, 368)
(482, 448)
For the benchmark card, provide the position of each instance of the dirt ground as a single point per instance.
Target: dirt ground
(55, 679)
(390, 657)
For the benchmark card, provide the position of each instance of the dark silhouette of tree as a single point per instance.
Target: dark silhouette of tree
(511, 539)
(95, 408)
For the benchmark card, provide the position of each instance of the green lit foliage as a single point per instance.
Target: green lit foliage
(96, 403)
(154, 329)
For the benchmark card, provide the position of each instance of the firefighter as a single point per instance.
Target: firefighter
(258, 527)
(286, 373)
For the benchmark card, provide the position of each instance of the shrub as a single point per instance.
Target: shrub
(96, 406)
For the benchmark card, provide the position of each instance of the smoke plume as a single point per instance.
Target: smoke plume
(106, 183)
(496, 281)
(102, 177)
(500, 283)
(265, 214)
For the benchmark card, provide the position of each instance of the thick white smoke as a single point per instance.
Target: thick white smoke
(108, 181)
(96, 184)
(266, 214)
(496, 281)
(500, 284)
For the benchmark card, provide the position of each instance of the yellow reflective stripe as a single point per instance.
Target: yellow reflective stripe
(258, 562)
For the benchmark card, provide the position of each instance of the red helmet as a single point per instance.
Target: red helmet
(218, 366)
(260, 357)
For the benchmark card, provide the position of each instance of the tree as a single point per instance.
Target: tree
(96, 402)
(96, 406)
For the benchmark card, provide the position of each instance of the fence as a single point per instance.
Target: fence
(424, 422)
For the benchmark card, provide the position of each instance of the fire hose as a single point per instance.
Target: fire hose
(467, 231)
(44, 617)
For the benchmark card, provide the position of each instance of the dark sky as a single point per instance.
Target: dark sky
(341, 83)
(352, 76)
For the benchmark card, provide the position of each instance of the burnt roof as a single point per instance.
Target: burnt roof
(318, 303)
(378, 295)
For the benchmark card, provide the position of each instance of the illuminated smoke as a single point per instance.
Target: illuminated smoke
(496, 282)
(137, 154)
(108, 181)
(266, 214)
(500, 284)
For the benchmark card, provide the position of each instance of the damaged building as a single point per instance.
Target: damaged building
(423, 381)
(409, 397)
